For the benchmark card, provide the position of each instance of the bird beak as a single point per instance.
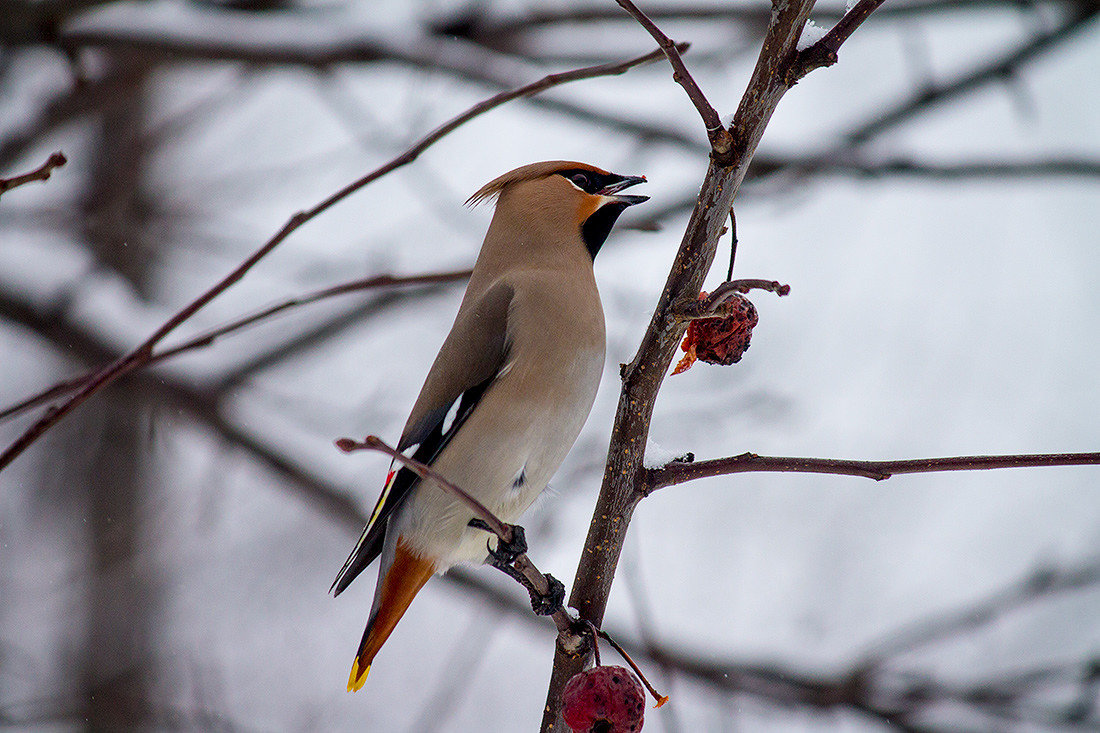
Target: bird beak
(627, 181)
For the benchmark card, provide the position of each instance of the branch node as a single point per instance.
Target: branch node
(549, 603)
(721, 141)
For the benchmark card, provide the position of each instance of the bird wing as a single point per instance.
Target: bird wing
(473, 354)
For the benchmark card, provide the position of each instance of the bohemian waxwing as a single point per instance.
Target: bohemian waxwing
(516, 375)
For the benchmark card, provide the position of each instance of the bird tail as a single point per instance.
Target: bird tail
(404, 578)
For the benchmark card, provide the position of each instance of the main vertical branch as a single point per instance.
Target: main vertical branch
(642, 378)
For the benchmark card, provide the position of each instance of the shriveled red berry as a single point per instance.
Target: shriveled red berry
(604, 700)
(720, 340)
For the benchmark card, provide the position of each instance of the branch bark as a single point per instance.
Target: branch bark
(642, 378)
(678, 473)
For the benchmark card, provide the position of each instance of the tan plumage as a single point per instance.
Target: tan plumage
(521, 364)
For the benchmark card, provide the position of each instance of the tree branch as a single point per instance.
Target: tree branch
(142, 353)
(489, 31)
(696, 309)
(1043, 582)
(205, 37)
(840, 163)
(859, 688)
(715, 132)
(677, 473)
(1000, 68)
(41, 173)
(209, 337)
(824, 51)
(642, 378)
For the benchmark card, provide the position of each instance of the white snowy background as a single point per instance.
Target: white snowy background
(928, 316)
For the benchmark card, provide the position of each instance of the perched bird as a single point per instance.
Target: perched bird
(509, 391)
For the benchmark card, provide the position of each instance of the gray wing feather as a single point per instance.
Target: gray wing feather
(471, 356)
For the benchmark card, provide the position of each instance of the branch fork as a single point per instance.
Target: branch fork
(823, 52)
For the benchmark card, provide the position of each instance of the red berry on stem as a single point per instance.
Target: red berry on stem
(722, 339)
(604, 700)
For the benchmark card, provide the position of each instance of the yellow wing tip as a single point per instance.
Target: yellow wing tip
(358, 676)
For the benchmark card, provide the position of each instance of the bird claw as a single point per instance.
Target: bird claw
(503, 557)
(547, 604)
(505, 553)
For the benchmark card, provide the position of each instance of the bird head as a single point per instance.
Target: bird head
(565, 193)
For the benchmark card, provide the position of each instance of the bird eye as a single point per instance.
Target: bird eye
(581, 180)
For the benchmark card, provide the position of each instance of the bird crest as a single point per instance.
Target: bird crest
(529, 172)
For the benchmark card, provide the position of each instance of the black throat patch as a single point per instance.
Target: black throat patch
(595, 229)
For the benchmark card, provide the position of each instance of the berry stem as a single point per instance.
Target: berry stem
(595, 641)
(661, 699)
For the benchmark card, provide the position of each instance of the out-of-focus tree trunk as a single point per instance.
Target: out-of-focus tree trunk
(119, 603)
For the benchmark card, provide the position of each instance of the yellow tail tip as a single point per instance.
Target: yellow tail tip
(358, 676)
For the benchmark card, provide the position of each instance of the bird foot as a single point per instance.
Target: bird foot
(503, 558)
(546, 604)
(505, 553)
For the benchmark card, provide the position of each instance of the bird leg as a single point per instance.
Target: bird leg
(504, 557)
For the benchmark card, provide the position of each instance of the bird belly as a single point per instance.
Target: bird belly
(503, 456)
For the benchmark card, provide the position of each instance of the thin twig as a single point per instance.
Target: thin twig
(142, 353)
(678, 473)
(733, 244)
(565, 623)
(715, 131)
(708, 307)
(209, 337)
(661, 699)
(373, 442)
(823, 52)
(41, 173)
